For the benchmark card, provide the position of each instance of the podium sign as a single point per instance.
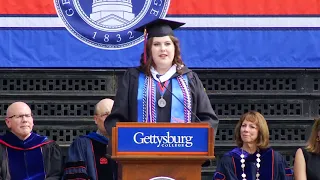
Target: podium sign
(166, 138)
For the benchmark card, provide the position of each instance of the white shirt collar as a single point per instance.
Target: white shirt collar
(165, 76)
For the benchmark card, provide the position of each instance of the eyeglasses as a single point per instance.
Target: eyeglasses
(105, 114)
(20, 116)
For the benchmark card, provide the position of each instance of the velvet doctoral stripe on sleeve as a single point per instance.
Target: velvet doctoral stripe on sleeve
(80, 160)
(225, 169)
(75, 170)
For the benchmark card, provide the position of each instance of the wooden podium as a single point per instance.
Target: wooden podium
(171, 150)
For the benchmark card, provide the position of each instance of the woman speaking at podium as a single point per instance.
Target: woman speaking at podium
(162, 88)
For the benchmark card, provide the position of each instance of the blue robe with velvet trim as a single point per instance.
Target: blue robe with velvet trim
(35, 158)
(272, 166)
(81, 161)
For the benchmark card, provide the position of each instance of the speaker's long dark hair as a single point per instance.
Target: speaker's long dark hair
(176, 60)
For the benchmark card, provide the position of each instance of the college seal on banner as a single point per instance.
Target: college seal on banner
(109, 24)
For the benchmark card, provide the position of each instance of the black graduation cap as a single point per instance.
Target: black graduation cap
(159, 27)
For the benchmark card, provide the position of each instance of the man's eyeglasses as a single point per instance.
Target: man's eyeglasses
(105, 114)
(20, 116)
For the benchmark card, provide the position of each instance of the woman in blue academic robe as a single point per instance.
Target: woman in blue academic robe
(253, 159)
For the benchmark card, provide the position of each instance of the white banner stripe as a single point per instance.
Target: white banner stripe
(31, 22)
(250, 21)
(191, 22)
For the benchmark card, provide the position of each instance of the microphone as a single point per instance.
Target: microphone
(197, 118)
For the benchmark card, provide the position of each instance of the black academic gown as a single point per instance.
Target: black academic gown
(35, 158)
(125, 105)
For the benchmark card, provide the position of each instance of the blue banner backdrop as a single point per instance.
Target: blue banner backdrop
(200, 49)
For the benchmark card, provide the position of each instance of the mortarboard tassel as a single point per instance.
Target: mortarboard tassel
(145, 46)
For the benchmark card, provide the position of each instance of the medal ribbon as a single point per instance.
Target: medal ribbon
(162, 89)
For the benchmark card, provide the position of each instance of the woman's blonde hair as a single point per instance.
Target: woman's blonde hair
(313, 144)
(263, 130)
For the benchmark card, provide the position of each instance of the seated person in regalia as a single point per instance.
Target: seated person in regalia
(253, 159)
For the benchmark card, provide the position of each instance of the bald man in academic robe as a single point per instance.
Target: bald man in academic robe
(87, 156)
(25, 154)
